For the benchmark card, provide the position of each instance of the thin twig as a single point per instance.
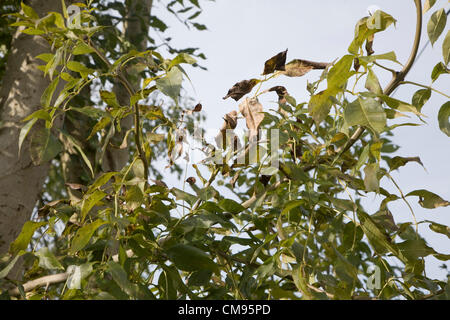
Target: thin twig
(137, 119)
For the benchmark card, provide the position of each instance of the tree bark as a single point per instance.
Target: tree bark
(22, 87)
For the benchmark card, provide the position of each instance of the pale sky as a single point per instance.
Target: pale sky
(243, 34)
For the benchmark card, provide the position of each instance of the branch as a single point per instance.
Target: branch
(40, 282)
(397, 78)
(137, 120)
(52, 279)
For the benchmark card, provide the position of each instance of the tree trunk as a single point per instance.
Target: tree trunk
(22, 87)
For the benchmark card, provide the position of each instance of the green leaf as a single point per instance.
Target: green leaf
(170, 85)
(444, 118)
(24, 132)
(99, 126)
(77, 274)
(44, 146)
(378, 238)
(438, 69)
(301, 282)
(371, 181)
(368, 26)
(120, 277)
(154, 137)
(372, 83)
(101, 181)
(134, 198)
(181, 58)
(82, 48)
(199, 278)
(109, 98)
(33, 32)
(429, 200)
(398, 162)
(366, 112)
(29, 11)
(189, 258)
(84, 235)
(320, 104)
(446, 48)
(24, 238)
(291, 205)
(89, 201)
(39, 114)
(47, 259)
(400, 105)
(11, 264)
(76, 145)
(440, 228)
(80, 68)
(231, 206)
(46, 57)
(414, 249)
(340, 72)
(428, 4)
(385, 56)
(89, 111)
(181, 195)
(420, 98)
(436, 25)
(48, 93)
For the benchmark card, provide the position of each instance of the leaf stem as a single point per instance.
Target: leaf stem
(426, 87)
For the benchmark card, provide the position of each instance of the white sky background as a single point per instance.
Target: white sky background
(243, 34)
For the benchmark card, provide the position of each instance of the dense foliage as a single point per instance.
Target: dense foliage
(298, 229)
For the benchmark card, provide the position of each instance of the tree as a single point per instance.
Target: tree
(297, 230)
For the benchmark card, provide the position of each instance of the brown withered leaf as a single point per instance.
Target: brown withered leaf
(229, 124)
(264, 179)
(241, 88)
(356, 64)
(281, 92)
(45, 210)
(252, 111)
(198, 107)
(75, 186)
(230, 120)
(159, 183)
(369, 45)
(275, 63)
(191, 180)
(298, 67)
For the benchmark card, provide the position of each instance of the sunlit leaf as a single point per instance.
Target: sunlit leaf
(429, 199)
(84, 235)
(47, 259)
(420, 98)
(89, 201)
(24, 132)
(170, 85)
(436, 25)
(24, 238)
(371, 181)
(366, 112)
(444, 118)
